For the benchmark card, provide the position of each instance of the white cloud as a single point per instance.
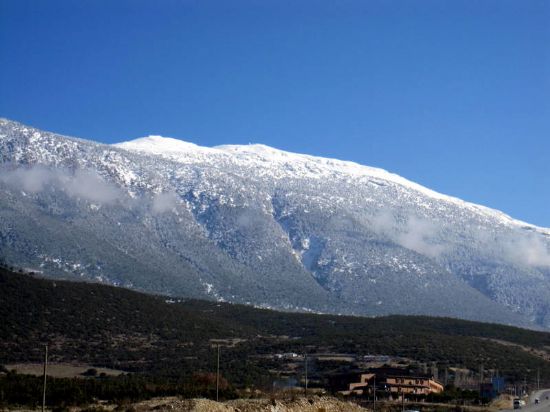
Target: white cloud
(82, 184)
(31, 180)
(517, 246)
(528, 250)
(384, 223)
(164, 202)
(415, 233)
(90, 186)
(420, 235)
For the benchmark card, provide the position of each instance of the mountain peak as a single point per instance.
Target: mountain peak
(254, 224)
(253, 148)
(158, 145)
(300, 164)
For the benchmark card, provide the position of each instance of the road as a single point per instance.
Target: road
(531, 406)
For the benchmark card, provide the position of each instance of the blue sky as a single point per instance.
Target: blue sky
(454, 95)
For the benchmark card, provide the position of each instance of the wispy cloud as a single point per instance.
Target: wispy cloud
(30, 180)
(420, 235)
(164, 202)
(423, 236)
(84, 184)
(527, 249)
(516, 246)
(90, 186)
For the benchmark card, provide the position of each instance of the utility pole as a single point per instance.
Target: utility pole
(44, 385)
(305, 366)
(538, 379)
(481, 373)
(435, 370)
(218, 375)
(374, 397)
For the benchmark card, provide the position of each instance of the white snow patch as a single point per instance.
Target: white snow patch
(279, 164)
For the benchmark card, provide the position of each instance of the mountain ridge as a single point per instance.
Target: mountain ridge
(240, 226)
(171, 335)
(134, 145)
(168, 146)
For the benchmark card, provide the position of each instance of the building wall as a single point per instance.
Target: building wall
(413, 384)
(397, 384)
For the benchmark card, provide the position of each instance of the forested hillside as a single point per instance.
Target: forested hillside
(107, 326)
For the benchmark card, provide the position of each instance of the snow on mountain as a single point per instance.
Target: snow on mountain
(285, 164)
(258, 225)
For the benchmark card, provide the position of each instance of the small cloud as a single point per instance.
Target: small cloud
(528, 250)
(164, 202)
(31, 180)
(90, 186)
(384, 223)
(83, 184)
(420, 235)
(415, 234)
(516, 246)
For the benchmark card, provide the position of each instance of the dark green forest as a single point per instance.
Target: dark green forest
(167, 343)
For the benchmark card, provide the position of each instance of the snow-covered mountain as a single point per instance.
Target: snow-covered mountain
(257, 225)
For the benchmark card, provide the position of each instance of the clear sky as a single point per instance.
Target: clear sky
(454, 95)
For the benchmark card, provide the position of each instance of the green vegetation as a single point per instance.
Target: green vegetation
(452, 394)
(171, 343)
(62, 392)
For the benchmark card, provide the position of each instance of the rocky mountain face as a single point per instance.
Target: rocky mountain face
(256, 225)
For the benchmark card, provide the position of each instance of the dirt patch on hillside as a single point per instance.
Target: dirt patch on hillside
(321, 404)
(60, 370)
(542, 353)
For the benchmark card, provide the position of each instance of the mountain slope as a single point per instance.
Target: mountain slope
(253, 224)
(139, 332)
